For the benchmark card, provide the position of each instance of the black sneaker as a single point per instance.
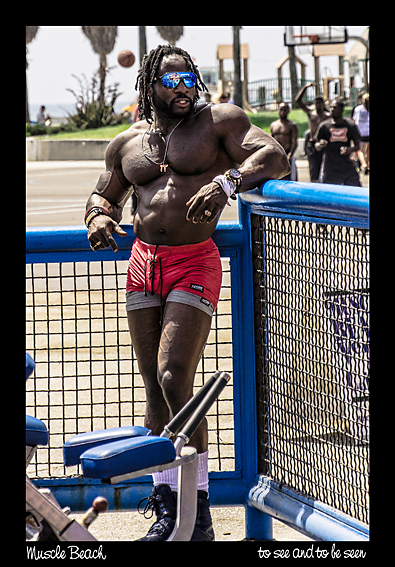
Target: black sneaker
(204, 525)
(164, 502)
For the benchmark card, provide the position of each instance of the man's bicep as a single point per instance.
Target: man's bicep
(259, 155)
(112, 183)
(246, 139)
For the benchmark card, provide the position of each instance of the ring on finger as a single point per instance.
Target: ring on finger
(96, 245)
(208, 213)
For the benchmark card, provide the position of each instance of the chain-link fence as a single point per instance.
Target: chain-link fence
(86, 376)
(311, 290)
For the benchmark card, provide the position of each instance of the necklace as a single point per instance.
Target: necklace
(163, 166)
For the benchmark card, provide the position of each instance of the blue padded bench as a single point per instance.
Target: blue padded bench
(127, 456)
(29, 365)
(79, 444)
(36, 432)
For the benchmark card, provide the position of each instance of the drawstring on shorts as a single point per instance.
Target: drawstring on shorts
(152, 261)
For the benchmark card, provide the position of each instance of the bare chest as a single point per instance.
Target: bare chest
(281, 129)
(186, 151)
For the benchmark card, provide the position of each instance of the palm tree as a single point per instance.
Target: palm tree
(31, 32)
(293, 75)
(237, 89)
(142, 43)
(102, 39)
(171, 33)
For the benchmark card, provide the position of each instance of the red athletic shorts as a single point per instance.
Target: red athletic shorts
(190, 274)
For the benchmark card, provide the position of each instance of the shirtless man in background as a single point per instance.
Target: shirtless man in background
(286, 133)
(182, 161)
(316, 115)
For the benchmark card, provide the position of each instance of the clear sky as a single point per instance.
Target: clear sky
(58, 52)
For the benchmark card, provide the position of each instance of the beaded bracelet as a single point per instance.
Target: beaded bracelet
(93, 212)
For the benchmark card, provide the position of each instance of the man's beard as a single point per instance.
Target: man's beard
(169, 109)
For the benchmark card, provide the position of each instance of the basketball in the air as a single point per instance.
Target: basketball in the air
(126, 58)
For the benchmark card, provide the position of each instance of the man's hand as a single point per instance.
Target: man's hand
(320, 145)
(100, 233)
(345, 151)
(211, 198)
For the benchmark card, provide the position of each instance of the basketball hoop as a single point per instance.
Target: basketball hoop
(314, 35)
(304, 49)
(313, 38)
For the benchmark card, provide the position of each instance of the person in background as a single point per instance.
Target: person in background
(42, 118)
(225, 97)
(316, 115)
(361, 119)
(334, 139)
(286, 133)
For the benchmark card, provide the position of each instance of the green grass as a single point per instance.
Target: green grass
(265, 118)
(105, 133)
(262, 119)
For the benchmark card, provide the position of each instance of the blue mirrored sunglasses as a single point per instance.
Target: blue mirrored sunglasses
(172, 80)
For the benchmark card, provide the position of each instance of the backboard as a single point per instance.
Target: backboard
(312, 35)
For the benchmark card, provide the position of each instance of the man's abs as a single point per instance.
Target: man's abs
(160, 217)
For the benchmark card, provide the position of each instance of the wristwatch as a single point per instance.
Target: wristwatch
(235, 177)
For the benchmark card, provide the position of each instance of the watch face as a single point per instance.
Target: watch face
(234, 173)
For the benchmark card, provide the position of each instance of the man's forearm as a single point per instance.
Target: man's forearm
(266, 163)
(111, 192)
(115, 211)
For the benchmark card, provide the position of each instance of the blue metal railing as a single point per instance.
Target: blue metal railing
(325, 205)
(313, 202)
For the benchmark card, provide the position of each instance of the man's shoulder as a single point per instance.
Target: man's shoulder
(115, 148)
(133, 131)
(227, 118)
(325, 124)
(226, 111)
(315, 117)
(349, 121)
(124, 137)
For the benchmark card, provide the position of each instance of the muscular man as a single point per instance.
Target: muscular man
(316, 116)
(180, 160)
(286, 133)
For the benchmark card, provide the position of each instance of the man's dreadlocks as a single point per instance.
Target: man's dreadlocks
(147, 73)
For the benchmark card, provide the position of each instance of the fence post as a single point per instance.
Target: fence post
(258, 525)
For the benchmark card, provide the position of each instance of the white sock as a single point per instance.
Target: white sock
(203, 471)
(170, 477)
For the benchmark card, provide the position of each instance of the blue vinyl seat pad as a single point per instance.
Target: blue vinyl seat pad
(36, 431)
(29, 365)
(78, 444)
(127, 456)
